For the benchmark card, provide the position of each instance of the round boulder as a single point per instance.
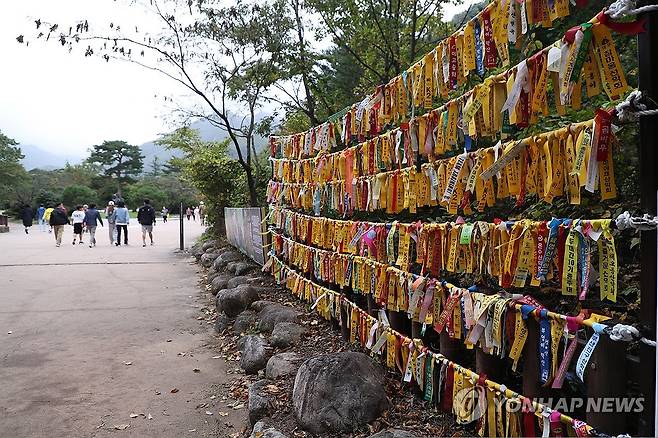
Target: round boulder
(259, 305)
(262, 431)
(228, 256)
(222, 322)
(259, 401)
(244, 322)
(255, 353)
(286, 334)
(236, 300)
(270, 316)
(338, 393)
(208, 258)
(220, 282)
(282, 365)
(210, 243)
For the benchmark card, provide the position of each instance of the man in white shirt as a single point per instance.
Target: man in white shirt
(78, 217)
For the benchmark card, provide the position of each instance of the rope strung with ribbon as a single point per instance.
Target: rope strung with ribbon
(632, 108)
(644, 223)
(623, 8)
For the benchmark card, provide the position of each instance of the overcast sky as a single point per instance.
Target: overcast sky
(66, 103)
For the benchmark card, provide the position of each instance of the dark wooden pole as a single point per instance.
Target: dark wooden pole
(605, 378)
(648, 84)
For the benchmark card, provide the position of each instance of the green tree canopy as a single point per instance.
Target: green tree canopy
(78, 195)
(118, 160)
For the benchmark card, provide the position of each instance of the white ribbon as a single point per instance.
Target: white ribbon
(520, 83)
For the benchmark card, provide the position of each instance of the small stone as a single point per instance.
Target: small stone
(222, 322)
(286, 334)
(393, 433)
(259, 305)
(262, 431)
(282, 365)
(211, 243)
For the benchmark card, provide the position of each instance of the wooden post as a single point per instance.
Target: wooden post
(344, 318)
(648, 83)
(450, 348)
(605, 377)
(492, 366)
(531, 384)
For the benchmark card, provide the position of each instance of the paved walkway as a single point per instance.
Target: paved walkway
(98, 334)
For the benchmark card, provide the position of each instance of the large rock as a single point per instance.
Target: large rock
(236, 300)
(228, 256)
(270, 316)
(222, 322)
(282, 365)
(244, 322)
(208, 258)
(211, 243)
(259, 305)
(261, 430)
(393, 433)
(259, 401)
(286, 334)
(220, 282)
(236, 281)
(242, 268)
(255, 353)
(338, 392)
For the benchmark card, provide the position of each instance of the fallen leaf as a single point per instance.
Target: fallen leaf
(196, 370)
(240, 406)
(134, 415)
(192, 430)
(9, 332)
(127, 363)
(121, 426)
(174, 390)
(223, 414)
(208, 413)
(214, 357)
(157, 393)
(168, 340)
(149, 417)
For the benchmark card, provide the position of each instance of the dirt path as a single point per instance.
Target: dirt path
(98, 334)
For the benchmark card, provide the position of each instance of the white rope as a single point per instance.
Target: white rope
(627, 333)
(622, 8)
(644, 223)
(632, 108)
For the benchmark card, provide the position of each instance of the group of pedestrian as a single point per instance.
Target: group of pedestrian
(197, 212)
(86, 218)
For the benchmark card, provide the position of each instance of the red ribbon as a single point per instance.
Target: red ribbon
(490, 52)
(628, 28)
(603, 121)
(446, 402)
(453, 62)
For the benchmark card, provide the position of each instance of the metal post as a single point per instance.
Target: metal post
(648, 84)
(182, 237)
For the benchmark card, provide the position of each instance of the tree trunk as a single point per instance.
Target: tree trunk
(251, 184)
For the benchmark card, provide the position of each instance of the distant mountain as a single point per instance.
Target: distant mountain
(207, 132)
(37, 158)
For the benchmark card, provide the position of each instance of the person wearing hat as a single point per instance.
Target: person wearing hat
(202, 213)
(111, 216)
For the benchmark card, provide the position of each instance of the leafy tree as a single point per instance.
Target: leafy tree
(145, 189)
(78, 195)
(119, 160)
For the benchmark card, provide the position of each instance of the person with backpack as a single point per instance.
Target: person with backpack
(92, 218)
(111, 216)
(40, 219)
(146, 218)
(58, 218)
(27, 214)
(122, 219)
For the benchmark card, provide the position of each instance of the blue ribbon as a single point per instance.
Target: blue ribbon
(544, 346)
(479, 49)
(526, 309)
(551, 246)
(467, 142)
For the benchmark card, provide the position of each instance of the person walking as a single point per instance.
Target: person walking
(202, 213)
(59, 218)
(122, 221)
(27, 214)
(188, 212)
(92, 218)
(78, 218)
(196, 213)
(146, 218)
(111, 216)
(46, 218)
(165, 214)
(42, 223)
